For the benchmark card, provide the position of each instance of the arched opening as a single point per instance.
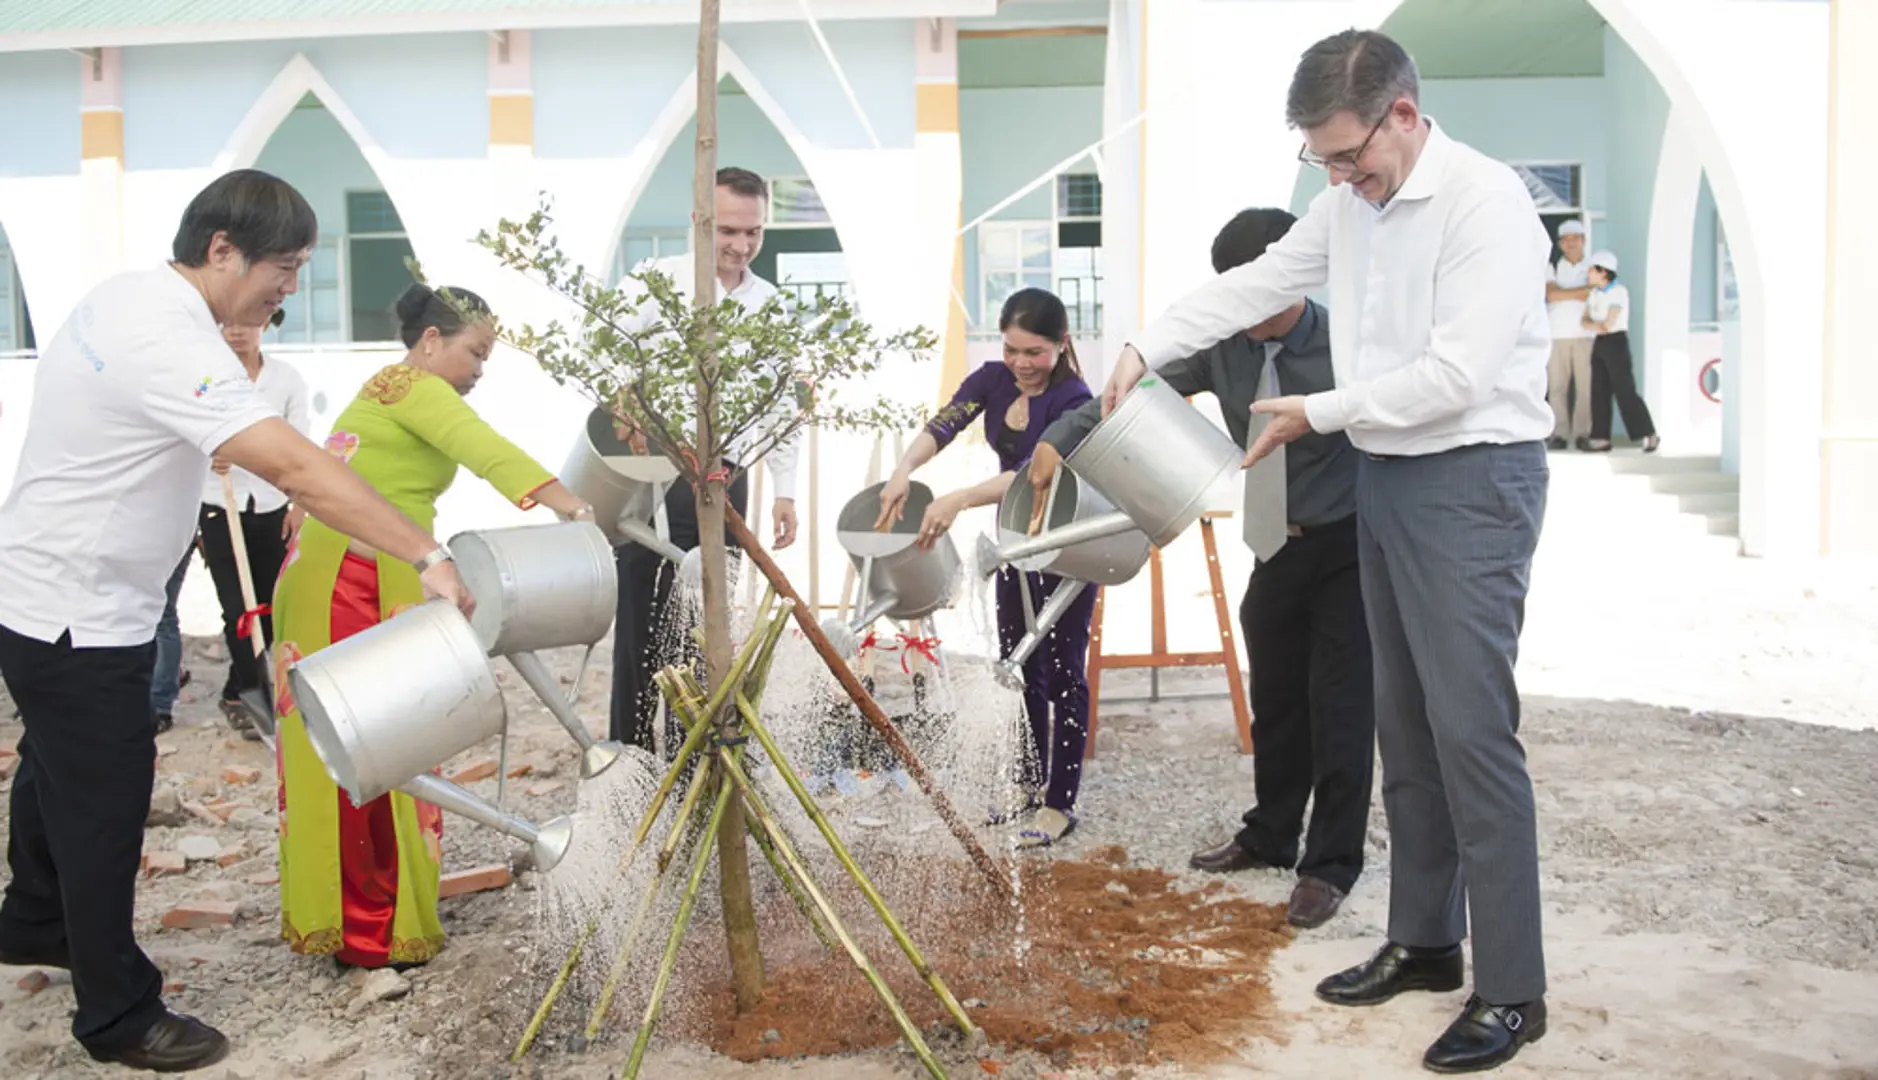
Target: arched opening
(1030, 96)
(16, 321)
(801, 251)
(302, 132)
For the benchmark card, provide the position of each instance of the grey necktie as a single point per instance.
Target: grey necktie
(1267, 519)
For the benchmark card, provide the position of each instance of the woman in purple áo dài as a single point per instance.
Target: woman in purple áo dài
(1038, 381)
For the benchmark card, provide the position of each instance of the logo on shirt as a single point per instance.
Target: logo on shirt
(342, 445)
(202, 388)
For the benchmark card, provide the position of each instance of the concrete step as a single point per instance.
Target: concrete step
(1710, 502)
(1728, 525)
(1658, 464)
(1690, 483)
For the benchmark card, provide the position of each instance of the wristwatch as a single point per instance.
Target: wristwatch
(437, 555)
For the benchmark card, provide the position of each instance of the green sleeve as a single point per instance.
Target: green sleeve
(434, 412)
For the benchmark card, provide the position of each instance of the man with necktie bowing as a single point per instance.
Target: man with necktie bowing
(1313, 704)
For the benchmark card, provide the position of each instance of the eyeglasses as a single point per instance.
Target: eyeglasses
(1347, 161)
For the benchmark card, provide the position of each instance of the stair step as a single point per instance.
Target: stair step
(1658, 464)
(1724, 524)
(1710, 502)
(1690, 483)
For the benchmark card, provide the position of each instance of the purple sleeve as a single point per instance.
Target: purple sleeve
(967, 402)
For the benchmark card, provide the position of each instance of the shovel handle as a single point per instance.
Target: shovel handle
(239, 542)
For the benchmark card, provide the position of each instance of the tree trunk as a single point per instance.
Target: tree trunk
(746, 956)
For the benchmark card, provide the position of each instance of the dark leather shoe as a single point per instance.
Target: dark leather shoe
(50, 958)
(175, 1043)
(1227, 858)
(1391, 971)
(1313, 902)
(1485, 1036)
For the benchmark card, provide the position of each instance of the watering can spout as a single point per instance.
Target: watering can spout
(991, 557)
(547, 843)
(596, 757)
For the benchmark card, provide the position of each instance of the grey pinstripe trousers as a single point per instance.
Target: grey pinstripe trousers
(1445, 543)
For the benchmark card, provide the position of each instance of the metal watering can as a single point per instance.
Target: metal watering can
(1109, 559)
(1155, 457)
(623, 487)
(543, 587)
(896, 579)
(387, 705)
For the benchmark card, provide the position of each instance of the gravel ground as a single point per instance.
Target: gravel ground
(1707, 856)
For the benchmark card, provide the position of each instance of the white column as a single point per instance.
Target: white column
(1671, 371)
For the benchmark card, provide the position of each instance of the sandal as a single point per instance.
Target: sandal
(1031, 802)
(1050, 826)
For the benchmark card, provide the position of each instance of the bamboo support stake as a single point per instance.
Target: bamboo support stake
(693, 739)
(789, 884)
(908, 1030)
(918, 959)
(858, 694)
(623, 955)
(699, 862)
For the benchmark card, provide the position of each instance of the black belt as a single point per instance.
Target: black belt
(1294, 529)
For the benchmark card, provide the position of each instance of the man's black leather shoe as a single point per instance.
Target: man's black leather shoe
(1485, 1036)
(1228, 858)
(175, 1043)
(1391, 971)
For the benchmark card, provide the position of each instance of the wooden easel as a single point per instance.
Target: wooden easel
(1227, 655)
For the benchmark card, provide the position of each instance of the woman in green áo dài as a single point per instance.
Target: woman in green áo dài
(361, 881)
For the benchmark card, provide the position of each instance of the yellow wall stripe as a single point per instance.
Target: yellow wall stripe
(512, 120)
(101, 134)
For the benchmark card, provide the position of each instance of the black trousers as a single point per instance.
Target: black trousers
(1612, 377)
(643, 642)
(1313, 705)
(267, 549)
(87, 763)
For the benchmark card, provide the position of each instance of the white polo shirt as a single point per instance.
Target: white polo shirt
(1566, 315)
(1600, 303)
(750, 294)
(285, 392)
(129, 400)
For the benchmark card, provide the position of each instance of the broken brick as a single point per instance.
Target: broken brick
(34, 981)
(232, 775)
(481, 879)
(521, 770)
(482, 770)
(232, 855)
(269, 878)
(201, 914)
(222, 810)
(548, 787)
(164, 862)
(203, 813)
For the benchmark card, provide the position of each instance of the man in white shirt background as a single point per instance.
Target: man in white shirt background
(1435, 259)
(268, 523)
(130, 399)
(1568, 370)
(645, 578)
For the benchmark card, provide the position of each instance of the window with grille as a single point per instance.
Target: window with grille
(793, 201)
(1078, 196)
(375, 272)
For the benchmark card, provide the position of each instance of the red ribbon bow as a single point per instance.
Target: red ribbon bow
(924, 646)
(906, 648)
(244, 626)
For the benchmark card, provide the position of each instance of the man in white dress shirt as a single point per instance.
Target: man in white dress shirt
(645, 578)
(1435, 259)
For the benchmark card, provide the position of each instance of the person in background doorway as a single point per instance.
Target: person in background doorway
(360, 882)
(1568, 371)
(1607, 314)
(645, 577)
(1313, 696)
(268, 522)
(1037, 382)
(169, 678)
